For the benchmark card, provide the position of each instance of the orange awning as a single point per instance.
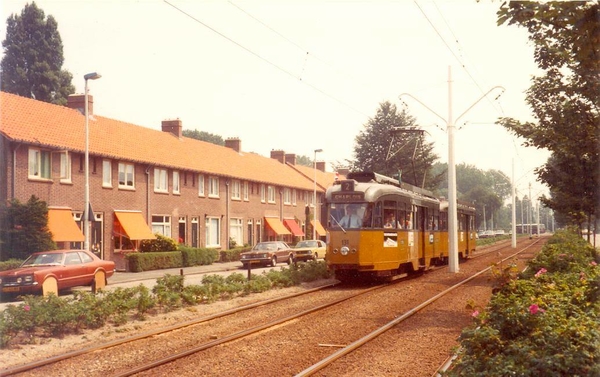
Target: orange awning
(134, 225)
(63, 227)
(293, 226)
(318, 227)
(277, 226)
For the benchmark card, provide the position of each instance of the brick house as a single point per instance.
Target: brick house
(144, 181)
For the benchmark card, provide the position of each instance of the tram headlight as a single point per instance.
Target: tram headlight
(344, 250)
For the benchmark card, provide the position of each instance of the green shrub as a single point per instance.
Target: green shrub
(545, 323)
(198, 256)
(139, 262)
(10, 264)
(161, 243)
(233, 255)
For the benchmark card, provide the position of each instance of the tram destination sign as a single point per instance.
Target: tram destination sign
(347, 196)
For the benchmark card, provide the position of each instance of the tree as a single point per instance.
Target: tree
(33, 58)
(392, 144)
(565, 101)
(204, 136)
(26, 229)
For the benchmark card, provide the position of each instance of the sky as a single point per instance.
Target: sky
(306, 74)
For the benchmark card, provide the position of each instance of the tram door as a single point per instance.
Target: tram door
(423, 235)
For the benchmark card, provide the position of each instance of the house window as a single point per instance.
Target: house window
(213, 232)
(235, 190)
(161, 225)
(126, 175)
(65, 167)
(236, 231)
(200, 185)
(213, 187)
(39, 164)
(175, 182)
(161, 181)
(271, 194)
(195, 231)
(106, 173)
(263, 194)
(246, 189)
(287, 196)
(294, 196)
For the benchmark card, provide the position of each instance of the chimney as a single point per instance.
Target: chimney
(77, 102)
(173, 126)
(290, 158)
(278, 155)
(234, 143)
(321, 165)
(343, 171)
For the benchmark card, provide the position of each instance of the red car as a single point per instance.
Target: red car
(52, 271)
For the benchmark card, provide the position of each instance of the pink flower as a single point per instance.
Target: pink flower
(27, 308)
(534, 309)
(582, 275)
(540, 272)
(475, 313)
(593, 263)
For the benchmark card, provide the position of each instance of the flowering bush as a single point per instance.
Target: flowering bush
(544, 323)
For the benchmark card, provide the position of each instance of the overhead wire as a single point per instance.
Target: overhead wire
(265, 59)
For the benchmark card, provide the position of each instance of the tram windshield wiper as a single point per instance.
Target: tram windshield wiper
(337, 222)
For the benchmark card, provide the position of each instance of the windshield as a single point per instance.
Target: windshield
(307, 244)
(353, 215)
(43, 259)
(263, 246)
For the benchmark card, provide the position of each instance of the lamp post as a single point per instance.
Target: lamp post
(315, 193)
(452, 210)
(86, 208)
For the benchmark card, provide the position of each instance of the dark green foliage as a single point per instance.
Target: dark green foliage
(233, 254)
(10, 264)
(198, 256)
(204, 136)
(161, 243)
(33, 58)
(545, 323)
(139, 262)
(27, 229)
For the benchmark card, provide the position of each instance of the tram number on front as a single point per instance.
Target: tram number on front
(345, 242)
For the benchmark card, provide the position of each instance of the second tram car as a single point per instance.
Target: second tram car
(379, 227)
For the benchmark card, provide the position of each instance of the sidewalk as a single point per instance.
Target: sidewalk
(125, 277)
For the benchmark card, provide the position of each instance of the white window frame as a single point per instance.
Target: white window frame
(236, 190)
(200, 185)
(212, 230)
(287, 196)
(106, 173)
(161, 180)
(161, 224)
(126, 169)
(271, 194)
(213, 187)
(246, 191)
(294, 194)
(176, 183)
(263, 193)
(40, 164)
(65, 167)
(236, 230)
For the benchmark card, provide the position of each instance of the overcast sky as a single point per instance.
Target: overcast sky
(303, 75)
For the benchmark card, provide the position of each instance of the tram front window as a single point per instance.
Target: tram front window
(349, 216)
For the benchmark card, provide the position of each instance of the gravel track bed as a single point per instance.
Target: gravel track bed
(415, 348)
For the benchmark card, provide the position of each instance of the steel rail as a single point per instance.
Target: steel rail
(367, 338)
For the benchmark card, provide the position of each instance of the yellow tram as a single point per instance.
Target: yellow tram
(379, 227)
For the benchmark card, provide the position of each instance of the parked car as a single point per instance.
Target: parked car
(49, 272)
(267, 253)
(309, 250)
(499, 232)
(487, 234)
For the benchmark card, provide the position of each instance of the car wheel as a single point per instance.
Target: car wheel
(50, 286)
(274, 261)
(290, 260)
(316, 257)
(99, 282)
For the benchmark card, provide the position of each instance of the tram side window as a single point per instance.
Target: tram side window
(389, 214)
(444, 220)
(462, 222)
(408, 220)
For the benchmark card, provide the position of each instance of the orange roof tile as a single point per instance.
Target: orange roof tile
(40, 123)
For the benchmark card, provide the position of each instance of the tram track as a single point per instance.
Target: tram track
(240, 341)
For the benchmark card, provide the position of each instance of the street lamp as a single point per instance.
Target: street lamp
(86, 208)
(315, 193)
(452, 210)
